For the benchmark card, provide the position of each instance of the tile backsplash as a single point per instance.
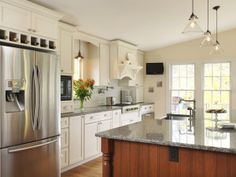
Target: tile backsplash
(100, 98)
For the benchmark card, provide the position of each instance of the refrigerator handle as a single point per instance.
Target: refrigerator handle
(35, 97)
(39, 120)
(31, 147)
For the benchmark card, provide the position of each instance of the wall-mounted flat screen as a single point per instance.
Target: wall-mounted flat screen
(154, 68)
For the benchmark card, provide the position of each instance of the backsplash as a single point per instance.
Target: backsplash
(100, 98)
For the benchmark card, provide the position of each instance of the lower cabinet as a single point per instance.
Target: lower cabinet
(116, 118)
(130, 118)
(91, 142)
(64, 142)
(64, 157)
(75, 139)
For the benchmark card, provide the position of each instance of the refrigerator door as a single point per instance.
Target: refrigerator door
(16, 116)
(38, 159)
(48, 77)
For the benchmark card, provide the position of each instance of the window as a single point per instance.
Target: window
(182, 86)
(216, 89)
(77, 69)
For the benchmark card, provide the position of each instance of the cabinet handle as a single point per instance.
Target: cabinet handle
(91, 117)
(105, 115)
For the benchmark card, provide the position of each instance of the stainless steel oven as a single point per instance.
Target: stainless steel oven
(66, 88)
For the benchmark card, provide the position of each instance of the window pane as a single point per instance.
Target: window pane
(183, 70)
(175, 83)
(208, 70)
(216, 69)
(225, 83)
(208, 83)
(183, 83)
(190, 70)
(225, 69)
(175, 70)
(190, 83)
(208, 97)
(216, 83)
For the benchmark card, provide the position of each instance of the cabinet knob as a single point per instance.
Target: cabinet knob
(62, 70)
(34, 30)
(29, 29)
(5, 37)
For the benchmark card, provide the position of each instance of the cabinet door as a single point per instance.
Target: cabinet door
(64, 157)
(116, 120)
(44, 26)
(104, 64)
(64, 137)
(16, 18)
(75, 147)
(90, 140)
(66, 51)
(139, 77)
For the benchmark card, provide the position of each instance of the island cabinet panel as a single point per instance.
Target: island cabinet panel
(131, 159)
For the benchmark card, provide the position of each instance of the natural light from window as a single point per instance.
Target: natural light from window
(182, 86)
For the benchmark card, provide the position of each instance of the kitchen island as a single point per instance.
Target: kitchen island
(168, 148)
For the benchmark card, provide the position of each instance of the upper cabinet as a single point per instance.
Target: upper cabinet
(66, 41)
(123, 60)
(16, 18)
(44, 26)
(30, 18)
(104, 64)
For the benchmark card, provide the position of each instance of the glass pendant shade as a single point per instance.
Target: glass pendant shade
(216, 49)
(207, 39)
(192, 26)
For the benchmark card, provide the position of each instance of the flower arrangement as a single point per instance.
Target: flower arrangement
(83, 90)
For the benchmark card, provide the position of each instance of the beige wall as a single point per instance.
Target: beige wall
(189, 51)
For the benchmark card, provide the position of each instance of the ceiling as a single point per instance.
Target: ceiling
(149, 24)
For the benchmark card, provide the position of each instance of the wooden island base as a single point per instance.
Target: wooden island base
(130, 159)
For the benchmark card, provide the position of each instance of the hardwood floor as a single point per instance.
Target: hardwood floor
(90, 169)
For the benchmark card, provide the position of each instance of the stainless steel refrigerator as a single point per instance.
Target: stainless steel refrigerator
(29, 124)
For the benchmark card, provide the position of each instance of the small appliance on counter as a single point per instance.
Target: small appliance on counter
(110, 101)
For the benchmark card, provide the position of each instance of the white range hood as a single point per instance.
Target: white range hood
(123, 60)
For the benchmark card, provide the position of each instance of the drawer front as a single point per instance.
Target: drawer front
(64, 137)
(90, 118)
(116, 114)
(105, 115)
(65, 122)
(67, 107)
(64, 157)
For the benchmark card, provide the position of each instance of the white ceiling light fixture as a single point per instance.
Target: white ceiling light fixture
(216, 46)
(207, 40)
(192, 26)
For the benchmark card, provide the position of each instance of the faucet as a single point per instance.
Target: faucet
(192, 111)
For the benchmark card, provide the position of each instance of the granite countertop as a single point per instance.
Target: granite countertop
(176, 133)
(90, 111)
(96, 110)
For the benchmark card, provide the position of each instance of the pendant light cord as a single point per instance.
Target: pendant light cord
(216, 24)
(192, 6)
(208, 16)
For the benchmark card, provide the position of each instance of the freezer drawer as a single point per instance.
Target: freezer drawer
(36, 159)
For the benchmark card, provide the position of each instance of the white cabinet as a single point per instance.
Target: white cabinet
(147, 109)
(140, 74)
(64, 142)
(64, 138)
(95, 123)
(26, 19)
(130, 118)
(90, 141)
(116, 119)
(44, 26)
(16, 18)
(104, 64)
(76, 139)
(64, 158)
(66, 52)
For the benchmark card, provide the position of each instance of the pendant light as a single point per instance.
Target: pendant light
(192, 25)
(216, 46)
(207, 40)
(79, 56)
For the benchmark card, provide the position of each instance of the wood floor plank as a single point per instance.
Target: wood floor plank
(90, 169)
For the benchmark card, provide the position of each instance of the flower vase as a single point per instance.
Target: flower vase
(81, 104)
